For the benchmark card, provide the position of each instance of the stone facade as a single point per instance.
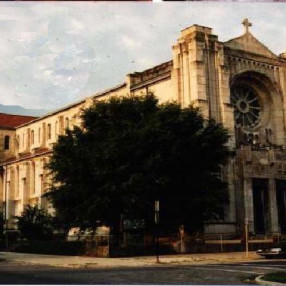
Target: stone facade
(240, 83)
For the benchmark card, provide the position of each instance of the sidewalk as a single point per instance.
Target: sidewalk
(96, 262)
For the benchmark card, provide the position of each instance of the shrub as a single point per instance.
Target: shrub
(35, 223)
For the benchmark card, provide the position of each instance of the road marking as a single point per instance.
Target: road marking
(227, 270)
(250, 265)
(264, 267)
(274, 265)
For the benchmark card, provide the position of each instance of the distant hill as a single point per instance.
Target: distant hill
(19, 110)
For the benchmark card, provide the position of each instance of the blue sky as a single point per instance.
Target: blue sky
(52, 53)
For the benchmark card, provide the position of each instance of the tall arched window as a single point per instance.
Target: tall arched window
(17, 181)
(33, 178)
(32, 137)
(67, 123)
(56, 129)
(18, 141)
(6, 142)
(49, 131)
(39, 135)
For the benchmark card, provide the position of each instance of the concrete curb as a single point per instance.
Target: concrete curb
(260, 281)
(95, 262)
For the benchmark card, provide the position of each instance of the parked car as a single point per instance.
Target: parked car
(77, 234)
(276, 251)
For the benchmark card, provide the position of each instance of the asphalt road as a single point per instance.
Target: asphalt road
(237, 273)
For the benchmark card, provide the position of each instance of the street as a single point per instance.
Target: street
(230, 273)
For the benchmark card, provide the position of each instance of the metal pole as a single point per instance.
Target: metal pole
(157, 247)
(246, 237)
(157, 209)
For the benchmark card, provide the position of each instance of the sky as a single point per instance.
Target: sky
(55, 53)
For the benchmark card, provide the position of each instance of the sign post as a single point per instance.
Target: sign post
(157, 210)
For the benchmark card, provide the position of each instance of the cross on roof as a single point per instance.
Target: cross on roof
(246, 25)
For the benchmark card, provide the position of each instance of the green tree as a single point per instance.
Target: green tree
(131, 151)
(35, 223)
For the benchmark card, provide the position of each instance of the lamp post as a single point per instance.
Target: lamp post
(157, 209)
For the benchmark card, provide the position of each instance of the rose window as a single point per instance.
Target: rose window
(246, 106)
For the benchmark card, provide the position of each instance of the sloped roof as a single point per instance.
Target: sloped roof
(249, 43)
(12, 121)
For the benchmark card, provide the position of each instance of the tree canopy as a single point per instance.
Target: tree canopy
(132, 151)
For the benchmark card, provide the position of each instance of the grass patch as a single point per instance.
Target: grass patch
(275, 277)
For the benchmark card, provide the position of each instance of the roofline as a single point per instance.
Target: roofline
(149, 69)
(7, 127)
(196, 25)
(99, 94)
(236, 38)
(104, 92)
(14, 127)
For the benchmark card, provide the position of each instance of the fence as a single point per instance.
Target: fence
(133, 245)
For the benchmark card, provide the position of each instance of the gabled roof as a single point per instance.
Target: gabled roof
(10, 120)
(249, 43)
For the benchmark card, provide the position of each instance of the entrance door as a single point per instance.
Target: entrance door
(260, 201)
(281, 204)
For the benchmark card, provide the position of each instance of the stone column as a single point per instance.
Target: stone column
(229, 177)
(248, 202)
(273, 212)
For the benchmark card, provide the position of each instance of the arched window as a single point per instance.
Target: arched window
(17, 181)
(56, 129)
(7, 142)
(33, 183)
(39, 134)
(67, 123)
(49, 131)
(32, 137)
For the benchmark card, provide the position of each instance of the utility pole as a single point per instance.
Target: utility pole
(157, 210)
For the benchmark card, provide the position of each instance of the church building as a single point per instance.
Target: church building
(239, 83)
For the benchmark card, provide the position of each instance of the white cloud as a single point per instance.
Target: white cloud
(53, 53)
(130, 43)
